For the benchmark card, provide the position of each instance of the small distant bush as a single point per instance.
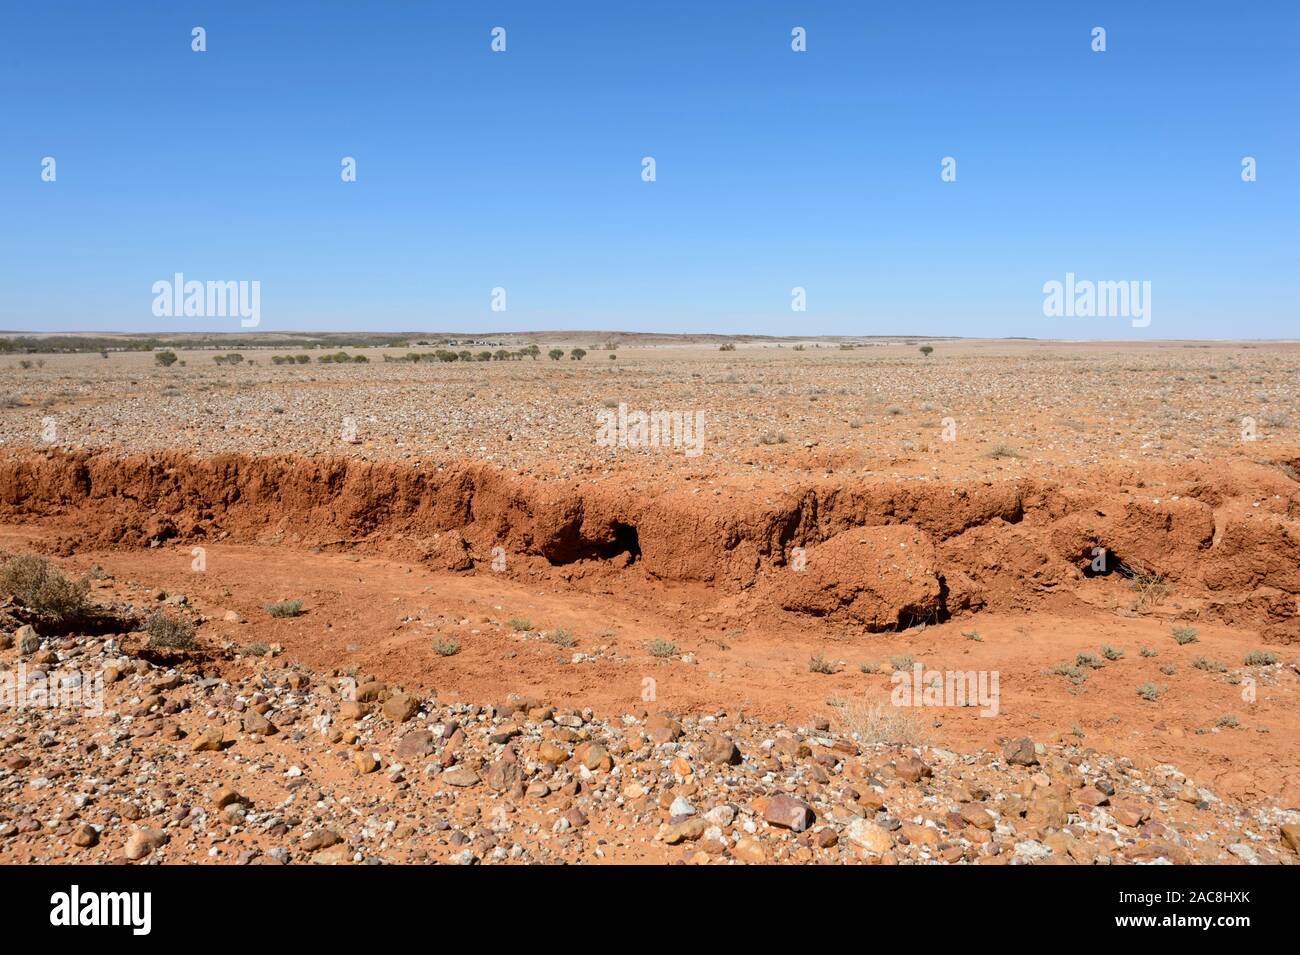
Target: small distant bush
(1147, 652)
(1168, 669)
(561, 637)
(1004, 451)
(973, 635)
(285, 608)
(258, 649)
(903, 662)
(819, 664)
(727, 347)
(1148, 691)
(1090, 660)
(1110, 653)
(869, 667)
(555, 354)
(520, 624)
(1226, 721)
(165, 632)
(926, 350)
(1260, 658)
(1184, 635)
(1070, 671)
(165, 358)
(34, 583)
(661, 648)
(1209, 666)
(446, 648)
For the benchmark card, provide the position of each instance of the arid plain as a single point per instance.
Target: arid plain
(427, 610)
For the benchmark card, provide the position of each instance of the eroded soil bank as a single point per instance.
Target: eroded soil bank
(1222, 537)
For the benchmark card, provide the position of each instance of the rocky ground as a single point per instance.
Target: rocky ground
(487, 591)
(882, 408)
(215, 756)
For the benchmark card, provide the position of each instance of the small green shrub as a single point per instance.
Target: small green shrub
(1260, 658)
(661, 648)
(561, 637)
(446, 648)
(1184, 635)
(285, 608)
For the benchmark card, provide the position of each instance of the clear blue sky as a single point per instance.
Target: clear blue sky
(775, 169)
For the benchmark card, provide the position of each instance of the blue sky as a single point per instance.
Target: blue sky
(775, 169)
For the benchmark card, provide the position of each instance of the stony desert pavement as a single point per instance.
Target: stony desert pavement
(507, 642)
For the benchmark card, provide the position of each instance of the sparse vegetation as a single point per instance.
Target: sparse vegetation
(561, 637)
(661, 648)
(285, 608)
(1150, 586)
(259, 648)
(903, 662)
(1089, 660)
(519, 624)
(166, 632)
(869, 667)
(446, 648)
(1226, 721)
(1209, 666)
(1146, 651)
(1110, 653)
(1260, 658)
(819, 664)
(926, 350)
(1148, 691)
(881, 725)
(165, 358)
(1184, 635)
(1003, 451)
(973, 635)
(33, 582)
(1072, 672)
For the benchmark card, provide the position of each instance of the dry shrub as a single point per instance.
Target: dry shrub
(33, 583)
(876, 723)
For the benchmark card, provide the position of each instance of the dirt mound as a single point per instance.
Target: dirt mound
(1225, 535)
(883, 578)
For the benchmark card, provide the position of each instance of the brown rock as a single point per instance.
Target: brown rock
(255, 724)
(416, 744)
(1020, 752)
(749, 850)
(662, 728)
(787, 812)
(210, 740)
(364, 761)
(461, 776)
(689, 829)
(716, 748)
(400, 707)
